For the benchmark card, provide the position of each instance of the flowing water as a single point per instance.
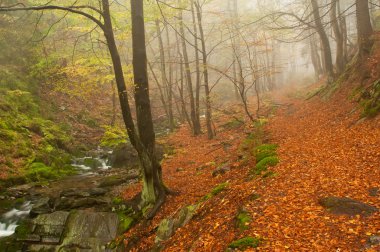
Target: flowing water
(9, 220)
(97, 161)
(89, 165)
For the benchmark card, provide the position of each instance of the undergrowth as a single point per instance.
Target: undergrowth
(33, 147)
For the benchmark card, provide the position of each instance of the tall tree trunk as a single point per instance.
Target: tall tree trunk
(164, 79)
(325, 41)
(194, 119)
(210, 132)
(343, 29)
(197, 70)
(315, 59)
(274, 81)
(162, 95)
(339, 63)
(170, 83)
(154, 191)
(234, 15)
(364, 27)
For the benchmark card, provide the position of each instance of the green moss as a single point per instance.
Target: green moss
(254, 139)
(117, 201)
(40, 172)
(126, 222)
(264, 151)
(371, 100)
(264, 164)
(245, 243)
(233, 124)
(219, 188)
(23, 229)
(113, 136)
(243, 219)
(215, 191)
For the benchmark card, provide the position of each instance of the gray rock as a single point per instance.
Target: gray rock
(88, 202)
(374, 192)
(97, 192)
(74, 193)
(221, 170)
(73, 203)
(21, 189)
(41, 206)
(58, 218)
(74, 231)
(165, 230)
(184, 216)
(124, 156)
(89, 231)
(347, 206)
(373, 240)
(116, 180)
(167, 227)
(30, 238)
(51, 240)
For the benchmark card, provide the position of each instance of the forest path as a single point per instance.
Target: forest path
(323, 151)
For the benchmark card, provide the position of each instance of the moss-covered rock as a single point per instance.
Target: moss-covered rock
(265, 150)
(263, 165)
(233, 124)
(243, 219)
(215, 191)
(245, 243)
(371, 100)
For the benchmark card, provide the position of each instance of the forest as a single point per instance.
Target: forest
(189, 125)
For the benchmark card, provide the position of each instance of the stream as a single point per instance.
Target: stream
(90, 165)
(9, 220)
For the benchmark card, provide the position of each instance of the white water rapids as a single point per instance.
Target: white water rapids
(9, 220)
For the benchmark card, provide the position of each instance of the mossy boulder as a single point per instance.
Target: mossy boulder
(167, 227)
(264, 151)
(245, 243)
(264, 164)
(215, 191)
(243, 218)
(165, 230)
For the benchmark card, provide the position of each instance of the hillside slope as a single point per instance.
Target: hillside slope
(325, 149)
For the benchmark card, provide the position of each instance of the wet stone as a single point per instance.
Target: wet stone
(30, 238)
(51, 240)
(74, 193)
(374, 192)
(347, 206)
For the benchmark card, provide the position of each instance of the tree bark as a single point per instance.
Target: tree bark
(170, 83)
(325, 41)
(210, 132)
(343, 29)
(164, 79)
(364, 28)
(194, 119)
(339, 63)
(197, 127)
(154, 191)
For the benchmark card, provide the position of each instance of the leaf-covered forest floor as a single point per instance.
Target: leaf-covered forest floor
(324, 150)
